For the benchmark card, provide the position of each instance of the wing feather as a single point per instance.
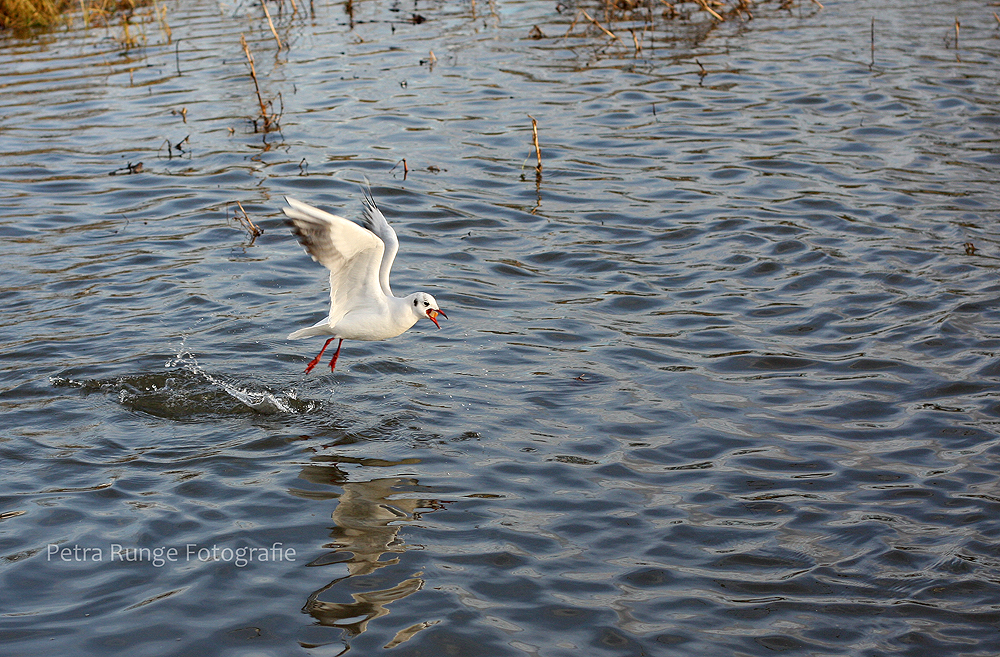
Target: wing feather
(352, 254)
(375, 222)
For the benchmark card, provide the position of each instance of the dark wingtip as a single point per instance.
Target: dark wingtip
(368, 201)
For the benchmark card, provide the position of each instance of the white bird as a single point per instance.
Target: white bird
(362, 306)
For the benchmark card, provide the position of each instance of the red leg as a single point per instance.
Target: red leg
(333, 361)
(315, 361)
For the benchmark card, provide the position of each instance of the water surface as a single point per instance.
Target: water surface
(722, 379)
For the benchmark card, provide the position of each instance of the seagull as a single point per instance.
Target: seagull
(362, 306)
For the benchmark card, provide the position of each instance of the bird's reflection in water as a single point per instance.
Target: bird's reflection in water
(367, 520)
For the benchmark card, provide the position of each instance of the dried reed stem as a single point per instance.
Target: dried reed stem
(267, 118)
(270, 23)
(534, 138)
(601, 27)
(958, 55)
(704, 5)
(572, 25)
(406, 169)
(250, 226)
(872, 64)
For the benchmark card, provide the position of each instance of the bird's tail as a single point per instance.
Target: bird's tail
(319, 329)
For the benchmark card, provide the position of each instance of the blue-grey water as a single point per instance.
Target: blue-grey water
(722, 380)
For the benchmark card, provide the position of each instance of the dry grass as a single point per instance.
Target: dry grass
(648, 21)
(31, 14)
(649, 12)
(22, 14)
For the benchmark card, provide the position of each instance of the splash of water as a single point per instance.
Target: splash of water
(187, 390)
(261, 401)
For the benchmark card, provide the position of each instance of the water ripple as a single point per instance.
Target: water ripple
(720, 379)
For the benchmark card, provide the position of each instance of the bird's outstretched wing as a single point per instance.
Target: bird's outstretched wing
(375, 221)
(351, 253)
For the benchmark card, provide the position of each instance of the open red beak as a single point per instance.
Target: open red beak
(432, 315)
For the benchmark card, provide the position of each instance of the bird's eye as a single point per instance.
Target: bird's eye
(426, 303)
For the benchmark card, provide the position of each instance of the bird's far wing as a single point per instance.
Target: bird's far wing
(351, 253)
(375, 222)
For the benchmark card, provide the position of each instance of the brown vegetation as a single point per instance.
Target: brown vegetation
(27, 14)
(31, 13)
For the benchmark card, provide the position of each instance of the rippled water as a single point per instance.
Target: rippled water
(723, 379)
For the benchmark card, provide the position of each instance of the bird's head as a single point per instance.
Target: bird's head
(424, 305)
